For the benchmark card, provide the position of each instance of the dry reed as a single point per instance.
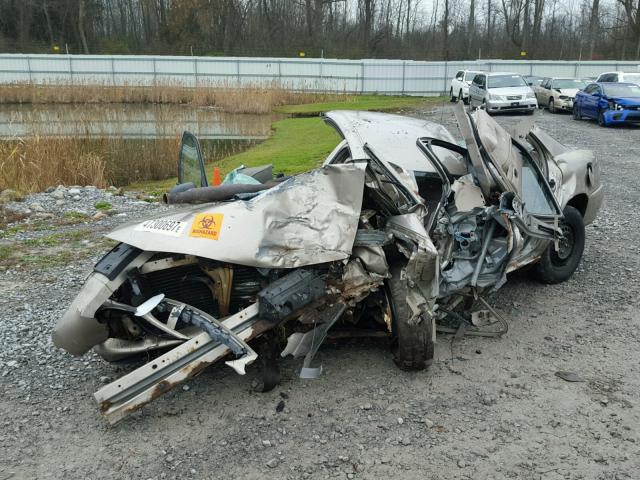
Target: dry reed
(257, 99)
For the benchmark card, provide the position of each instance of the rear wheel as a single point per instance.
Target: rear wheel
(552, 106)
(413, 344)
(453, 99)
(558, 266)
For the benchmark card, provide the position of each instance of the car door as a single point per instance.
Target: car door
(594, 101)
(542, 92)
(521, 184)
(589, 101)
(191, 162)
(475, 90)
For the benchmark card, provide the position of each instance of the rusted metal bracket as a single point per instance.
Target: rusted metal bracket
(143, 385)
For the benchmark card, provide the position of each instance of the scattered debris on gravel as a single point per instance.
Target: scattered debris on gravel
(486, 409)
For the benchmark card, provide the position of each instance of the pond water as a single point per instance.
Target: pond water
(130, 121)
(133, 142)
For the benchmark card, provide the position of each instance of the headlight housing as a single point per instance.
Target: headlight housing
(530, 95)
(495, 98)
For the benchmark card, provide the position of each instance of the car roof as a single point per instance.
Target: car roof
(393, 138)
(631, 84)
(491, 74)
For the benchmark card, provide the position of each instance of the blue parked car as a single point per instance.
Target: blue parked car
(609, 103)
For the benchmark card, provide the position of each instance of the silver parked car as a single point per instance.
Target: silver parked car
(401, 232)
(558, 93)
(502, 92)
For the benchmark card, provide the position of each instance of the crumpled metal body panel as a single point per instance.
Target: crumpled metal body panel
(393, 139)
(309, 219)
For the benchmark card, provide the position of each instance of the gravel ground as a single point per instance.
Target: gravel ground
(487, 409)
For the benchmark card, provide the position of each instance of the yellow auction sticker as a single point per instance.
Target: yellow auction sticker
(207, 225)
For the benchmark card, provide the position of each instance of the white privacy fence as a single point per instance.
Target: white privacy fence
(399, 77)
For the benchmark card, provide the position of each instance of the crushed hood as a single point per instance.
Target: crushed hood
(308, 219)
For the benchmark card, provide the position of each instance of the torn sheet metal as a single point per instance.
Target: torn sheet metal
(310, 218)
(393, 139)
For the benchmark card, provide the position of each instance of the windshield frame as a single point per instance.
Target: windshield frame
(491, 80)
(579, 84)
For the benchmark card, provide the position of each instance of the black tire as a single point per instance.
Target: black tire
(461, 97)
(413, 344)
(453, 99)
(556, 267)
(552, 106)
(576, 112)
(601, 121)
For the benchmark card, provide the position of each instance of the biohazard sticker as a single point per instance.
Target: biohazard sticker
(165, 227)
(207, 225)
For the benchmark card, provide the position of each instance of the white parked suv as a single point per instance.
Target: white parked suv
(502, 92)
(626, 77)
(459, 89)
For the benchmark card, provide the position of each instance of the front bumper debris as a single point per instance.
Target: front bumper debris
(143, 385)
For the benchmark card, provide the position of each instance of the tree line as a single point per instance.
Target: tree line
(408, 29)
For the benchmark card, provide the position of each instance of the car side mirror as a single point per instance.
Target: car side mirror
(458, 78)
(191, 162)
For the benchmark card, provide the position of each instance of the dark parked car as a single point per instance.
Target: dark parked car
(609, 103)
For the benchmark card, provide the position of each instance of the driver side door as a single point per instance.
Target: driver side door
(191, 162)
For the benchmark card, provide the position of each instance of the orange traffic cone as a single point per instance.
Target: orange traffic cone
(216, 177)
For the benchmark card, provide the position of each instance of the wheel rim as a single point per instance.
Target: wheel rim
(565, 245)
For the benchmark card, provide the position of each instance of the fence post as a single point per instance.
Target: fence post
(195, 69)
(446, 75)
(238, 71)
(280, 73)
(575, 69)
(404, 68)
(155, 75)
(70, 70)
(321, 86)
(113, 71)
(362, 77)
(29, 69)
(530, 68)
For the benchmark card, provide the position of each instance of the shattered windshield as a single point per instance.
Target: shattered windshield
(568, 83)
(504, 81)
(622, 90)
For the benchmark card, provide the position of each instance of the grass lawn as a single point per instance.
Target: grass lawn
(297, 144)
(380, 103)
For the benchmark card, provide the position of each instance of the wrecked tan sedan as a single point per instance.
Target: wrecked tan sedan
(402, 231)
